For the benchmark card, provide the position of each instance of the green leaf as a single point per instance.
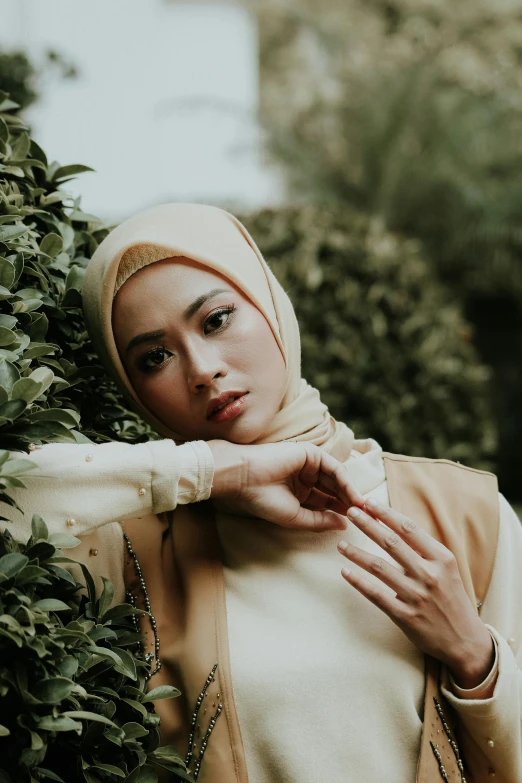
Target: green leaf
(161, 692)
(106, 597)
(53, 691)
(37, 742)
(12, 409)
(68, 666)
(74, 278)
(4, 732)
(143, 774)
(42, 375)
(11, 564)
(111, 768)
(48, 723)
(85, 715)
(7, 337)
(7, 275)
(9, 321)
(8, 375)
(133, 730)
(26, 389)
(64, 540)
(83, 217)
(51, 245)
(29, 574)
(68, 418)
(9, 233)
(70, 171)
(136, 705)
(51, 605)
(35, 350)
(39, 531)
(121, 610)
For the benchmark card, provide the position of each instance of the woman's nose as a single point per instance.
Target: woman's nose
(202, 370)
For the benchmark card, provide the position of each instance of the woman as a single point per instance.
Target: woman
(289, 671)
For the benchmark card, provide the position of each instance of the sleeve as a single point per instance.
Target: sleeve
(494, 723)
(79, 487)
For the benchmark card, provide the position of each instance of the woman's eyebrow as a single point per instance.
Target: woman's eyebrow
(145, 337)
(200, 301)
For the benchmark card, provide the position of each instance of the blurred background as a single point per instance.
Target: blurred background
(373, 148)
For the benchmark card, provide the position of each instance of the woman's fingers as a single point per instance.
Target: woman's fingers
(387, 539)
(317, 521)
(323, 501)
(424, 544)
(383, 599)
(380, 568)
(324, 472)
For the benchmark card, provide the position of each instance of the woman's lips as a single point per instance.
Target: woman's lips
(230, 411)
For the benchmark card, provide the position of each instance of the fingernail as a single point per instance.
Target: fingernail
(353, 512)
(345, 571)
(371, 503)
(342, 544)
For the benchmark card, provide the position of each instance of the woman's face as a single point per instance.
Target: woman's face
(186, 335)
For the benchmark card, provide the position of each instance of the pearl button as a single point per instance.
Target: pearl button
(32, 447)
(491, 743)
(89, 458)
(70, 522)
(142, 491)
(93, 552)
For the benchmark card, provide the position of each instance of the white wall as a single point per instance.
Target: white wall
(164, 108)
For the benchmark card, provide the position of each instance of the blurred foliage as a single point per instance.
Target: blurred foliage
(52, 387)
(22, 78)
(390, 356)
(411, 110)
(73, 701)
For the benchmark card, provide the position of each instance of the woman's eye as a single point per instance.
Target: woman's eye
(218, 319)
(153, 359)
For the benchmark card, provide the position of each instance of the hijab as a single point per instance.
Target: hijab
(217, 240)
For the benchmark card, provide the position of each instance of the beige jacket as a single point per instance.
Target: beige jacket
(493, 725)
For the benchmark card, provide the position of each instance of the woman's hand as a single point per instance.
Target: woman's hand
(295, 485)
(428, 602)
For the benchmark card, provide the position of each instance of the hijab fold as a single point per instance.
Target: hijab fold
(217, 240)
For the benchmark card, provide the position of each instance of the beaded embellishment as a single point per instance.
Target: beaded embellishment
(191, 744)
(149, 657)
(453, 745)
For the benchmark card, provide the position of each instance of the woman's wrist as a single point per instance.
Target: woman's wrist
(229, 469)
(473, 665)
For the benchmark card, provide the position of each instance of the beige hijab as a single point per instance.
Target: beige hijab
(219, 241)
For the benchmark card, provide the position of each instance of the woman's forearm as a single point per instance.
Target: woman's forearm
(78, 487)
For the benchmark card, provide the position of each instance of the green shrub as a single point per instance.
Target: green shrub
(380, 339)
(52, 387)
(73, 705)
